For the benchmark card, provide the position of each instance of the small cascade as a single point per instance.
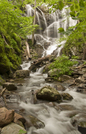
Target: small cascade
(45, 22)
(30, 11)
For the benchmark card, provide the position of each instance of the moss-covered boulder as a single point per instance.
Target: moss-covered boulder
(48, 93)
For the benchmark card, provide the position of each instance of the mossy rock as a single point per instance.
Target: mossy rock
(48, 93)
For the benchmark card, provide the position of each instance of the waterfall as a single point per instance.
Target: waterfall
(50, 33)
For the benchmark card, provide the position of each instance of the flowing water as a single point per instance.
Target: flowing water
(56, 120)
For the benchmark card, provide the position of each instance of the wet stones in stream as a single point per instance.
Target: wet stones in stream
(11, 122)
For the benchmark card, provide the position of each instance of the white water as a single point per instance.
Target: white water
(56, 121)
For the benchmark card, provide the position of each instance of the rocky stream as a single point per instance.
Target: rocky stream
(32, 102)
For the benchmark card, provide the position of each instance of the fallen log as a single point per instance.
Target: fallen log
(41, 61)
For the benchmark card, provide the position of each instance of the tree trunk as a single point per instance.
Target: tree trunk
(34, 22)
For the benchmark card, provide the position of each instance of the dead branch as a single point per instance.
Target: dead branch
(27, 50)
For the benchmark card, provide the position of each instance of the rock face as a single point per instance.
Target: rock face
(21, 73)
(10, 86)
(49, 94)
(13, 129)
(6, 116)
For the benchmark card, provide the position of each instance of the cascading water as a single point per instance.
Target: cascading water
(55, 120)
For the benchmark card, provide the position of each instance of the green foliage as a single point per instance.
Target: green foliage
(62, 64)
(21, 131)
(75, 57)
(84, 63)
(14, 25)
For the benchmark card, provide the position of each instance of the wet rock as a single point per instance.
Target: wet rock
(64, 78)
(48, 93)
(46, 68)
(82, 124)
(33, 121)
(21, 74)
(2, 104)
(13, 129)
(82, 127)
(18, 119)
(6, 116)
(79, 80)
(70, 82)
(66, 96)
(59, 87)
(66, 107)
(49, 79)
(81, 88)
(39, 50)
(46, 45)
(10, 86)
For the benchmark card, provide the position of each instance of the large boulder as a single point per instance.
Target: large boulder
(48, 93)
(13, 129)
(6, 116)
(21, 74)
(10, 86)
